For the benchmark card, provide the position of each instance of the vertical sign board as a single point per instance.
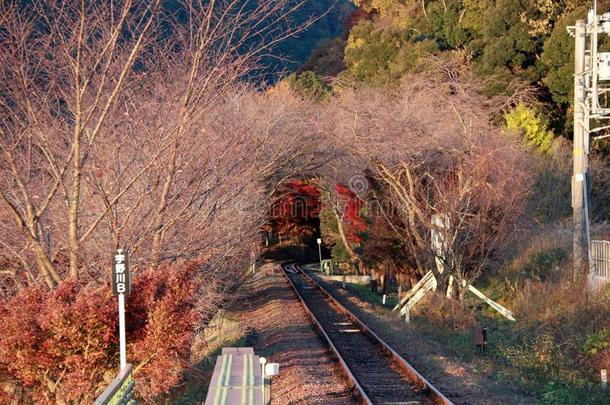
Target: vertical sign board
(121, 285)
(121, 279)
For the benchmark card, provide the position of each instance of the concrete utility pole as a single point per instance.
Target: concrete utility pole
(591, 122)
(579, 173)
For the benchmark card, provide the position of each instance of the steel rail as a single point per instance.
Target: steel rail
(407, 369)
(355, 385)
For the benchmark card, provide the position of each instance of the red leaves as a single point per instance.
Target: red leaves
(351, 204)
(60, 344)
(53, 341)
(300, 199)
(297, 203)
(170, 295)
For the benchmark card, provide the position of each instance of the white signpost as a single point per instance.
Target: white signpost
(121, 286)
(441, 225)
(319, 240)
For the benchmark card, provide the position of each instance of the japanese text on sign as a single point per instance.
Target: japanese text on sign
(121, 281)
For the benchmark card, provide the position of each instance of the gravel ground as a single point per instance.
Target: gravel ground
(279, 329)
(455, 379)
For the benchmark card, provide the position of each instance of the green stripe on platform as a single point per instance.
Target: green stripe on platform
(225, 389)
(244, 380)
(223, 380)
(251, 382)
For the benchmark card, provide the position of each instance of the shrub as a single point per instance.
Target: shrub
(597, 342)
(446, 312)
(339, 253)
(532, 126)
(309, 85)
(58, 345)
(62, 346)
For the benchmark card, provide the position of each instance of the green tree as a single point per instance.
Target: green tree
(443, 23)
(558, 59)
(370, 51)
(473, 15)
(309, 85)
(506, 49)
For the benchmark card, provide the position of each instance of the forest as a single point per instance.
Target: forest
(188, 131)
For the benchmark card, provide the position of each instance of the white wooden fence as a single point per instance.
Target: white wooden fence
(599, 269)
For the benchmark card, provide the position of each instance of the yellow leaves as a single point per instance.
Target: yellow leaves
(532, 126)
(549, 10)
(355, 43)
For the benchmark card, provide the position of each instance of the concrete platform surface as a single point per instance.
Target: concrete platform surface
(237, 378)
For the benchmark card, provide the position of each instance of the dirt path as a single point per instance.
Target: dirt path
(279, 329)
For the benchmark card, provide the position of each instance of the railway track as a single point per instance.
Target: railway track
(377, 374)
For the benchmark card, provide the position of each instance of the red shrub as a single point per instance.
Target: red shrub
(62, 346)
(162, 346)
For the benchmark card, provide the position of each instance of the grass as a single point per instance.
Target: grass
(557, 346)
(364, 293)
(555, 349)
(223, 331)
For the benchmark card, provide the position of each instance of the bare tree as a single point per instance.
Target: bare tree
(433, 153)
(113, 129)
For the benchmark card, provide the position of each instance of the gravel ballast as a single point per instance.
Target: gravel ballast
(279, 329)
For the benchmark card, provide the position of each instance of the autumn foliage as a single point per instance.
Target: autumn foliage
(62, 346)
(296, 204)
(352, 220)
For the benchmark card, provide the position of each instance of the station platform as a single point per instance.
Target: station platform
(237, 378)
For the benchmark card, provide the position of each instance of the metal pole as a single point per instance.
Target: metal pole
(122, 340)
(580, 164)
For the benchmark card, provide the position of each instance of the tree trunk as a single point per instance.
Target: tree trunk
(45, 266)
(74, 199)
(158, 227)
(461, 292)
(348, 248)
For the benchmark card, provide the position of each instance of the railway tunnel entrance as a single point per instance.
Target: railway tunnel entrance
(349, 223)
(292, 224)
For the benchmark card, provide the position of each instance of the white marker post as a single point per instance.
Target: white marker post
(121, 285)
(320, 253)
(263, 361)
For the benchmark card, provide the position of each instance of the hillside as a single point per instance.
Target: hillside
(154, 154)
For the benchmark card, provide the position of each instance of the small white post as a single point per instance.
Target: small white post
(344, 281)
(604, 375)
(407, 316)
(383, 299)
(263, 361)
(319, 240)
(122, 340)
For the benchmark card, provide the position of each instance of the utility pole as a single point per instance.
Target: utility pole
(591, 122)
(579, 172)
